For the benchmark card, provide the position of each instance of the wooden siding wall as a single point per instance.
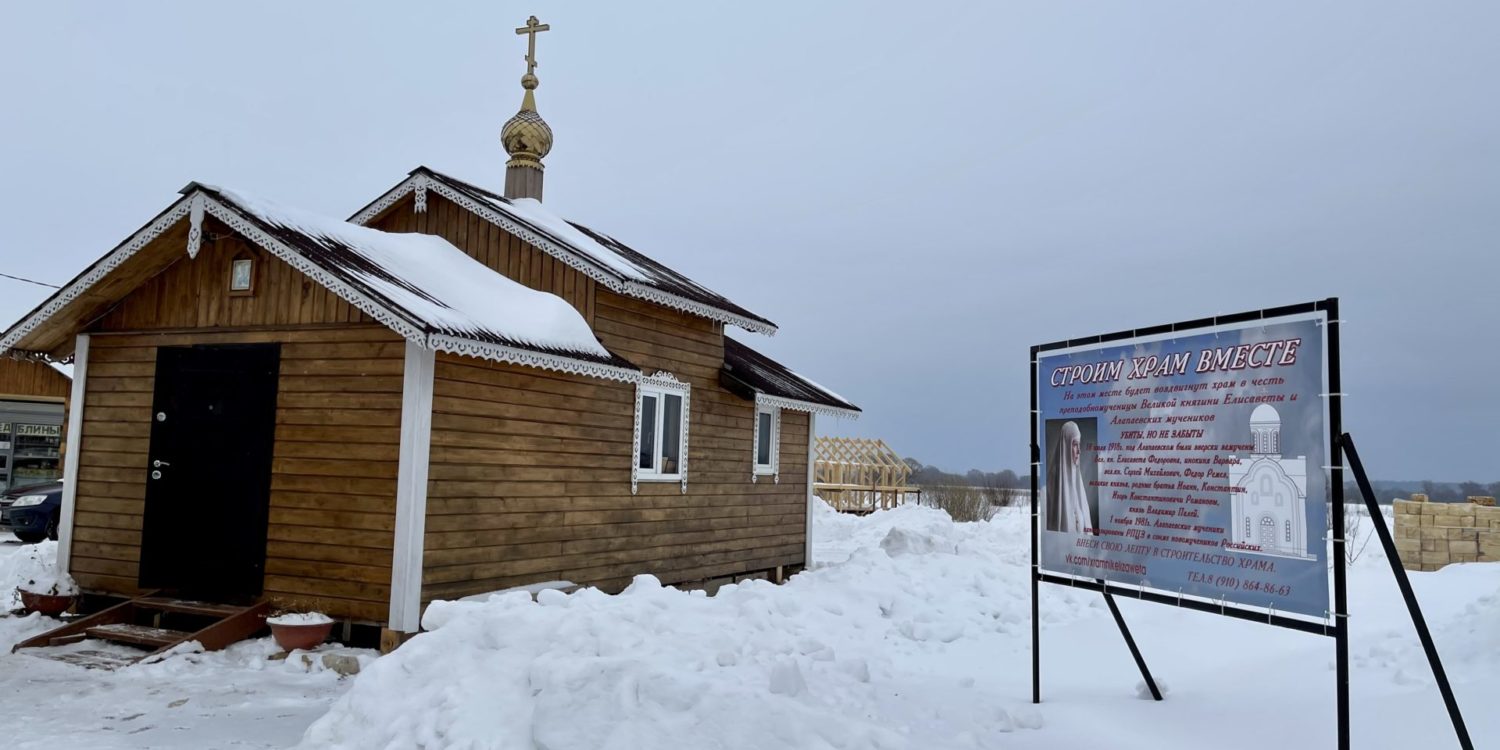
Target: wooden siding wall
(493, 247)
(530, 474)
(194, 293)
(32, 380)
(333, 485)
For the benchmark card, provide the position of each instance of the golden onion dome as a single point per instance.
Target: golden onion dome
(526, 137)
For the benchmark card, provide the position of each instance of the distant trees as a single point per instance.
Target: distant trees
(1439, 492)
(926, 474)
(971, 496)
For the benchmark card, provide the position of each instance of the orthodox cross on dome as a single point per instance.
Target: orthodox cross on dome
(526, 136)
(531, 29)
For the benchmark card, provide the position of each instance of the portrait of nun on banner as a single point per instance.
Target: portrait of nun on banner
(1068, 507)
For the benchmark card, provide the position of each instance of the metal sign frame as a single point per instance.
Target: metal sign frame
(1341, 446)
(1338, 628)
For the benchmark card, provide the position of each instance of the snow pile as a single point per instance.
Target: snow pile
(256, 655)
(531, 588)
(438, 283)
(855, 654)
(33, 566)
(34, 569)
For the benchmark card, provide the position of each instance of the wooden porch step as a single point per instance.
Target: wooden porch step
(139, 635)
(187, 606)
(118, 624)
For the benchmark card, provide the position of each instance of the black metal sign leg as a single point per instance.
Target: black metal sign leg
(1036, 571)
(1135, 653)
(1420, 622)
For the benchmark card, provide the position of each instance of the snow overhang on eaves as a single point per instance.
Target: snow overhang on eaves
(421, 181)
(198, 202)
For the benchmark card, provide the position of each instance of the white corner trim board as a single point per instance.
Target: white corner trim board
(812, 441)
(411, 490)
(70, 461)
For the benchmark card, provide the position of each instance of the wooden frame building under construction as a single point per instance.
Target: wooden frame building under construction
(455, 391)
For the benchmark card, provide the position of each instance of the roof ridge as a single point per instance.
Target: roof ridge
(620, 267)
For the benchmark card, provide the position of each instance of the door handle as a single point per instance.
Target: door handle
(158, 463)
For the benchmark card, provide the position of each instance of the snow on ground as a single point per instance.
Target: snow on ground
(236, 698)
(911, 633)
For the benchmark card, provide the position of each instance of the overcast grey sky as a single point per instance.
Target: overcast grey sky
(914, 192)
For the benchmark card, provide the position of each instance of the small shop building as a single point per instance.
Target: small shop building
(32, 397)
(455, 391)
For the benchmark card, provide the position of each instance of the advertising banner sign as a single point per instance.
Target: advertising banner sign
(1191, 462)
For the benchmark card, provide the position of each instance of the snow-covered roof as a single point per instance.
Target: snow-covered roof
(777, 385)
(432, 282)
(605, 259)
(419, 285)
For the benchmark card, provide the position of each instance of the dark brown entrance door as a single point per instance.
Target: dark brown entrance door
(208, 482)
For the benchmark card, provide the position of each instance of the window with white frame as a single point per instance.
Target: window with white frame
(661, 422)
(767, 438)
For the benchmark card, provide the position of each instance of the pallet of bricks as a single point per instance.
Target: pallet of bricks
(1431, 535)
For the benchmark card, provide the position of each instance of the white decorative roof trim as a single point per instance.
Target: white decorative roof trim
(197, 204)
(526, 358)
(195, 225)
(420, 183)
(419, 191)
(667, 299)
(435, 341)
(384, 315)
(390, 198)
(123, 252)
(763, 399)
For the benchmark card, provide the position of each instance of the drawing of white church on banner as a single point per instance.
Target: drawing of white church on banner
(1269, 506)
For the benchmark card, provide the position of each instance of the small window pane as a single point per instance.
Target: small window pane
(239, 277)
(648, 432)
(671, 434)
(763, 440)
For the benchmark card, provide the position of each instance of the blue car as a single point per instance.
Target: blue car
(32, 513)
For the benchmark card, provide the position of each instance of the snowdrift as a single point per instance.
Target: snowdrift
(827, 660)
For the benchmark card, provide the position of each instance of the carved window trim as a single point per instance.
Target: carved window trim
(660, 385)
(773, 468)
